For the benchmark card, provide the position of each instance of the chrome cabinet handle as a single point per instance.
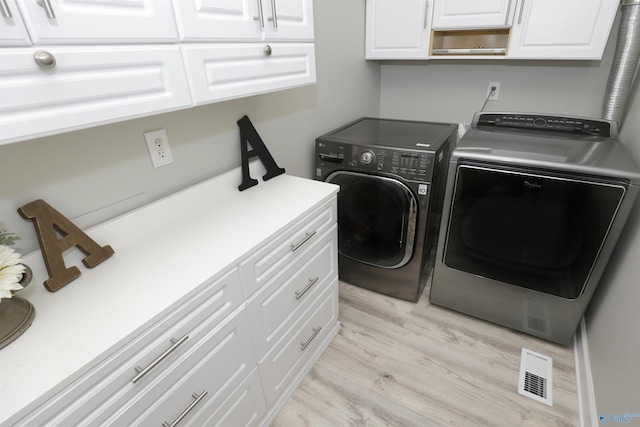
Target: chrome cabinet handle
(304, 345)
(6, 12)
(45, 59)
(506, 18)
(48, 8)
(260, 17)
(312, 281)
(307, 236)
(275, 15)
(142, 372)
(186, 411)
(267, 50)
(521, 9)
(426, 14)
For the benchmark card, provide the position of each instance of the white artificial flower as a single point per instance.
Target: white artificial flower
(10, 271)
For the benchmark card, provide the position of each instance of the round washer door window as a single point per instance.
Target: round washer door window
(376, 219)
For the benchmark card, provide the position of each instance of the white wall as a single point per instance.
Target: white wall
(613, 318)
(84, 171)
(453, 90)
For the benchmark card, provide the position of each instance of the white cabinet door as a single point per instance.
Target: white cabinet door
(245, 20)
(94, 22)
(397, 29)
(561, 29)
(12, 29)
(88, 86)
(472, 13)
(218, 20)
(218, 72)
(288, 20)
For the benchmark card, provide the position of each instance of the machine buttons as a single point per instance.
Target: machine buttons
(422, 189)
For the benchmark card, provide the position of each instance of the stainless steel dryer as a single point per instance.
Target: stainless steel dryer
(533, 208)
(391, 175)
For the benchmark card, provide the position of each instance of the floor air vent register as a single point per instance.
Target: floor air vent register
(536, 377)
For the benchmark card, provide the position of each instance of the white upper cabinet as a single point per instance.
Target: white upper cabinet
(449, 14)
(12, 29)
(99, 22)
(397, 29)
(288, 20)
(211, 20)
(65, 88)
(245, 20)
(561, 29)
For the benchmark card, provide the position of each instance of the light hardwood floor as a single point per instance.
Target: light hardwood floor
(397, 363)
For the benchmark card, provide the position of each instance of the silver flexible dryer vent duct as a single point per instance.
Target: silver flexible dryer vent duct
(625, 62)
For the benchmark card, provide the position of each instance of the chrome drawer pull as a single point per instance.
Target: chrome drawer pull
(48, 8)
(186, 411)
(307, 236)
(6, 12)
(304, 345)
(142, 372)
(312, 281)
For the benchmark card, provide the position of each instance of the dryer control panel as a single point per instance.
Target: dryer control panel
(411, 165)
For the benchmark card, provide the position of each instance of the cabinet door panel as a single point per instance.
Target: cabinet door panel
(286, 360)
(558, 29)
(397, 29)
(217, 20)
(294, 20)
(92, 398)
(280, 303)
(262, 266)
(12, 29)
(89, 86)
(94, 22)
(226, 71)
(219, 365)
(472, 13)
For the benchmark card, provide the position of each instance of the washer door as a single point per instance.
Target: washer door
(376, 219)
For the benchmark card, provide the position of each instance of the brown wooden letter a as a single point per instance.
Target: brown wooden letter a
(249, 134)
(48, 223)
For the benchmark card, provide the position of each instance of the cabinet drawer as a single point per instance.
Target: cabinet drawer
(88, 86)
(287, 358)
(244, 407)
(212, 370)
(259, 268)
(277, 306)
(111, 382)
(225, 71)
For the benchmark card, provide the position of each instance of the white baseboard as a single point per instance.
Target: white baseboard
(584, 381)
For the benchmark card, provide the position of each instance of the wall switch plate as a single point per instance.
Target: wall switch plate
(159, 149)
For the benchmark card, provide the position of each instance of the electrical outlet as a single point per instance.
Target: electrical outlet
(159, 149)
(493, 96)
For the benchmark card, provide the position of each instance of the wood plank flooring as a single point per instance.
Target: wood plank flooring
(397, 363)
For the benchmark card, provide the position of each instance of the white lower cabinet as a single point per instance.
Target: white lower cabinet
(218, 72)
(234, 348)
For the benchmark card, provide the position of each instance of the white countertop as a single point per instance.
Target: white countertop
(163, 251)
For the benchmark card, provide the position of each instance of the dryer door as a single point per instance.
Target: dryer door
(376, 219)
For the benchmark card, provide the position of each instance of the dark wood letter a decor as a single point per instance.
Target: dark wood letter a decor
(249, 134)
(50, 223)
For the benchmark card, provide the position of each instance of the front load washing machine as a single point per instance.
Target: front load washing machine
(391, 175)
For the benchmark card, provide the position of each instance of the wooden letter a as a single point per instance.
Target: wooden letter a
(48, 223)
(249, 134)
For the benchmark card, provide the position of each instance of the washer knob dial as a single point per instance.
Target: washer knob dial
(367, 157)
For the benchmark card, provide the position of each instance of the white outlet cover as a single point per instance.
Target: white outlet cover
(160, 153)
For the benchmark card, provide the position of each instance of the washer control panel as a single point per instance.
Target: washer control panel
(576, 125)
(408, 164)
